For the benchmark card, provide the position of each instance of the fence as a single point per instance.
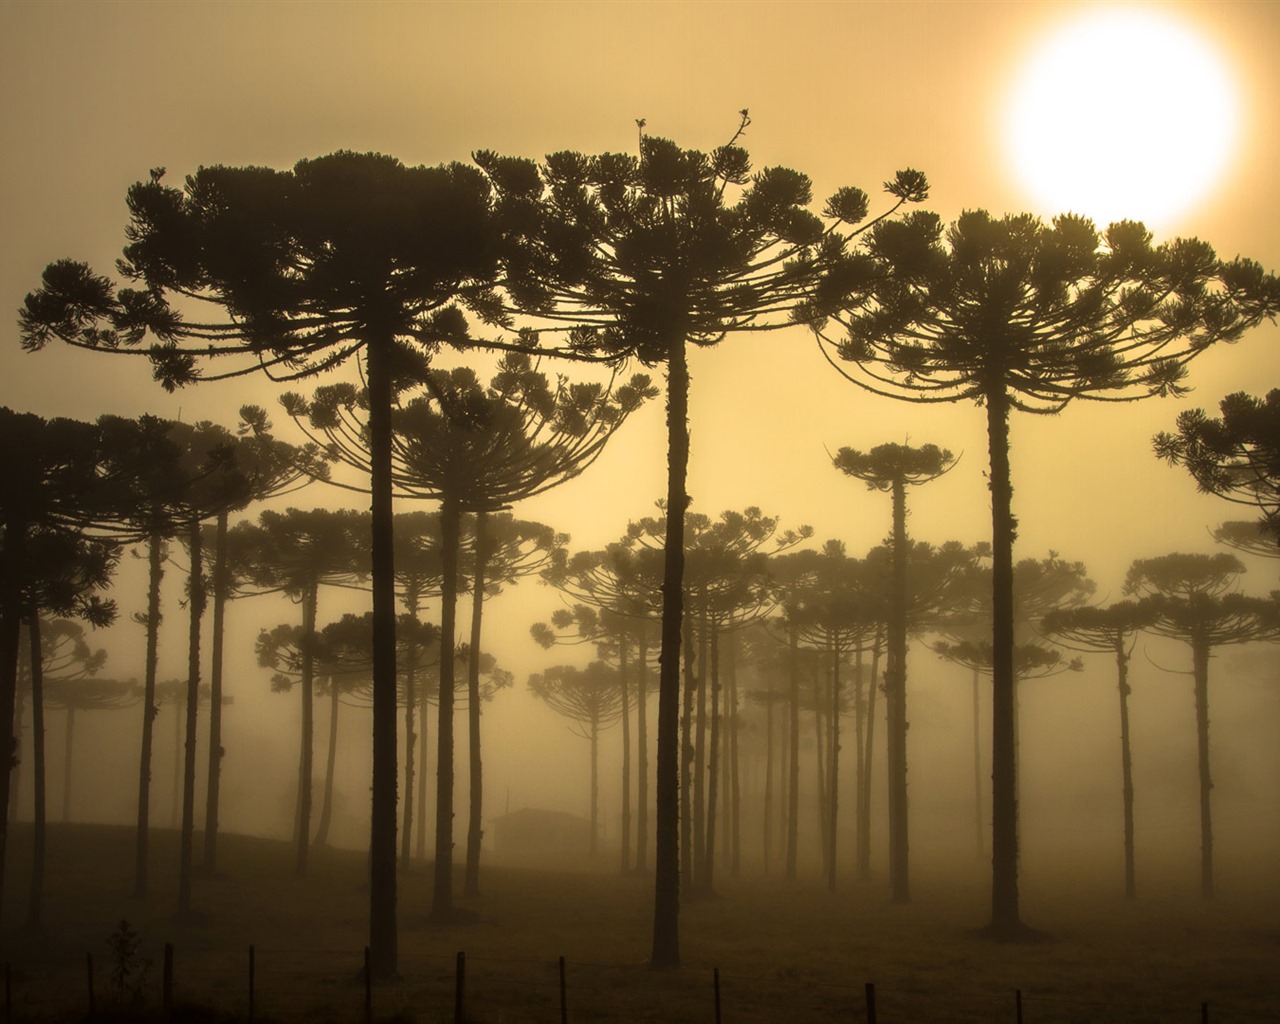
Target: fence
(320, 986)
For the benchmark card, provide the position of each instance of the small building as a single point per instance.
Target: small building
(531, 834)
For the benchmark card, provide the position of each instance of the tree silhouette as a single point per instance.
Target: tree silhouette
(1112, 629)
(1237, 456)
(591, 699)
(1249, 535)
(1014, 314)
(474, 449)
(641, 257)
(1191, 597)
(892, 468)
(300, 552)
(345, 254)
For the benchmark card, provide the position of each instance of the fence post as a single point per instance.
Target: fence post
(564, 996)
(460, 991)
(715, 980)
(871, 1002)
(368, 989)
(252, 980)
(166, 998)
(1017, 1004)
(88, 961)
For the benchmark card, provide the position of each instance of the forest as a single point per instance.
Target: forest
(745, 698)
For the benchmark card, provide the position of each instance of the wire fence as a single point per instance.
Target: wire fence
(319, 986)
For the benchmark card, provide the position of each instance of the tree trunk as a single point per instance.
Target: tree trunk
(302, 838)
(475, 830)
(896, 701)
(1005, 920)
(642, 743)
(221, 588)
(768, 782)
(442, 890)
(195, 600)
(331, 763)
(410, 730)
(383, 934)
(686, 757)
(834, 787)
(979, 824)
(700, 759)
(1126, 769)
(713, 762)
(424, 746)
(155, 558)
(1200, 661)
(595, 785)
(623, 643)
(39, 832)
(823, 757)
(10, 643)
(67, 752)
(666, 897)
(793, 756)
(868, 761)
(735, 791)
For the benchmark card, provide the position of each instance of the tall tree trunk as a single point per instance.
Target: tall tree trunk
(896, 701)
(595, 786)
(475, 826)
(980, 829)
(35, 899)
(700, 758)
(442, 889)
(686, 756)
(623, 643)
(383, 934)
(642, 743)
(666, 897)
(1126, 769)
(834, 788)
(713, 761)
(424, 745)
(868, 763)
(1005, 919)
(862, 796)
(793, 757)
(213, 784)
(175, 791)
(196, 599)
(735, 790)
(410, 729)
(11, 612)
(67, 752)
(1200, 662)
(330, 764)
(822, 762)
(306, 748)
(155, 560)
(768, 781)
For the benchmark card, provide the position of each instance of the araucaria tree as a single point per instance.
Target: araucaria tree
(1012, 313)
(1237, 456)
(893, 468)
(1191, 597)
(644, 256)
(1111, 630)
(347, 253)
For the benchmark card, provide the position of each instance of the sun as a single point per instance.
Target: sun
(1122, 113)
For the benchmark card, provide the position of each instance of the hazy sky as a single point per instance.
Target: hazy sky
(96, 94)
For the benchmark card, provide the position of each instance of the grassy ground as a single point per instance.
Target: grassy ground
(784, 952)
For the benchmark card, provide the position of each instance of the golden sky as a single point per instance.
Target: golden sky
(96, 94)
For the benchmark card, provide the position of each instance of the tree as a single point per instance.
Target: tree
(474, 449)
(1014, 314)
(1191, 597)
(892, 468)
(642, 257)
(345, 254)
(1237, 456)
(300, 552)
(591, 699)
(1112, 629)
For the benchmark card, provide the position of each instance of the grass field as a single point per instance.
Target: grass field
(784, 952)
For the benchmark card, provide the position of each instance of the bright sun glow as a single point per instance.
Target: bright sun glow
(1122, 113)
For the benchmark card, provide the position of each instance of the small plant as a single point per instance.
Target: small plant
(128, 969)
